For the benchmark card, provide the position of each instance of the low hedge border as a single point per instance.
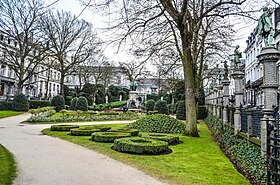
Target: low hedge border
(139, 145)
(133, 132)
(82, 132)
(108, 137)
(63, 127)
(163, 137)
(101, 128)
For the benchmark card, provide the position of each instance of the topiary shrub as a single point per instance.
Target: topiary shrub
(140, 145)
(152, 112)
(82, 104)
(181, 110)
(102, 128)
(74, 103)
(34, 104)
(163, 137)
(158, 123)
(161, 107)
(63, 127)
(20, 103)
(58, 103)
(108, 137)
(4, 105)
(133, 132)
(82, 132)
(150, 104)
(108, 113)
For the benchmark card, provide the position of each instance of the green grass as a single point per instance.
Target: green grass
(7, 167)
(8, 113)
(196, 161)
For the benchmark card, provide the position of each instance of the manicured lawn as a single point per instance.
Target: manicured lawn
(8, 113)
(7, 167)
(195, 161)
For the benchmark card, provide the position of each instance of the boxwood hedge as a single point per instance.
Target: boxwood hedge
(102, 128)
(140, 145)
(158, 123)
(133, 132)
(82, 132)
(108, 137)
(63, 127)
(163, 137)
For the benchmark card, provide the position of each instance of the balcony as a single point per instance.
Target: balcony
(257, 83)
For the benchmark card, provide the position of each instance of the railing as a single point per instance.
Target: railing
(244, 123)
(257, 114)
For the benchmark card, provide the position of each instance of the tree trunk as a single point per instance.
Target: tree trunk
(62, 76)
(19, 87)
(190, 89)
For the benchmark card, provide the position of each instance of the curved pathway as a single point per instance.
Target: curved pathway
(44, 160)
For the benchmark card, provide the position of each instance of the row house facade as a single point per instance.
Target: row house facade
(44, 83)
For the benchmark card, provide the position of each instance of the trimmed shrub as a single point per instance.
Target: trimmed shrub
(20, 103)
(58, 102)
(163, 137)
(161, 107)
(82, 104)
(201, 112)
(152, 112)
(4, 105)
(133, 132)
(35, 104)
(108, 137)
(181, 110)
(150, 104)
(158, 123)
(63, 127)
(108, 113)
(101, 128)
(74, 103)
(82, 132)
(140, 145)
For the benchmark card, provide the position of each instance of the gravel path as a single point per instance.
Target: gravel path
(43, 160)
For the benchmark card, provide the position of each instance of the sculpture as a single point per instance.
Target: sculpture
(133, 85)
(225, 70)
(237, 55)
(265, 28)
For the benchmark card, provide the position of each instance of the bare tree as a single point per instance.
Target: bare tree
(194, 28)
(134, 69)
(70, 41)
(22, 42)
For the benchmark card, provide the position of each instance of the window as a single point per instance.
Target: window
(53, 87)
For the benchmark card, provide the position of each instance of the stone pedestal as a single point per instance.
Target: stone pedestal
(238, 78)
(225, 84)
(220, 100)
(268, 57)
(215, 100)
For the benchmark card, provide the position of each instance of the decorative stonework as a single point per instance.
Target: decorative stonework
(268, 53)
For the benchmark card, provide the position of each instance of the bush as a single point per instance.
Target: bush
(108, 113)
(108, 137)
(82, 104)
(150, 104)
(34, 104)
(163, 137)
(102, 128)
(247, 155)
(158, 123)
(133, 132)
(82, 132)
(181, 110)
(20, 103)
(140, 145)
(74, 103)
(201, 112)
(152, 112)
(58, 102)
(4, 105)
(161, 107)
(63, 127)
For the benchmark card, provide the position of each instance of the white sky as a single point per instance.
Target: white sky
(244, 26)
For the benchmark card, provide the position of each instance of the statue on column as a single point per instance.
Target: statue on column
(225, 70)
(265, 27)
(237, 55)
(133, 85)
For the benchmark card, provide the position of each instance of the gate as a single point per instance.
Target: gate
(273, 151)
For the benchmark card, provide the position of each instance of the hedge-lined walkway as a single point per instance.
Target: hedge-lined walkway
(43, 160)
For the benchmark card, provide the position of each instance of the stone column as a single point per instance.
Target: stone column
(220, 100)
(225, 84)
(249, 122)
(215, 101)
(238, 78)
(268, 57)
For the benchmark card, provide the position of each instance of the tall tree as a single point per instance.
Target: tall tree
(22, 44)
(70, 41)
(185, 25)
